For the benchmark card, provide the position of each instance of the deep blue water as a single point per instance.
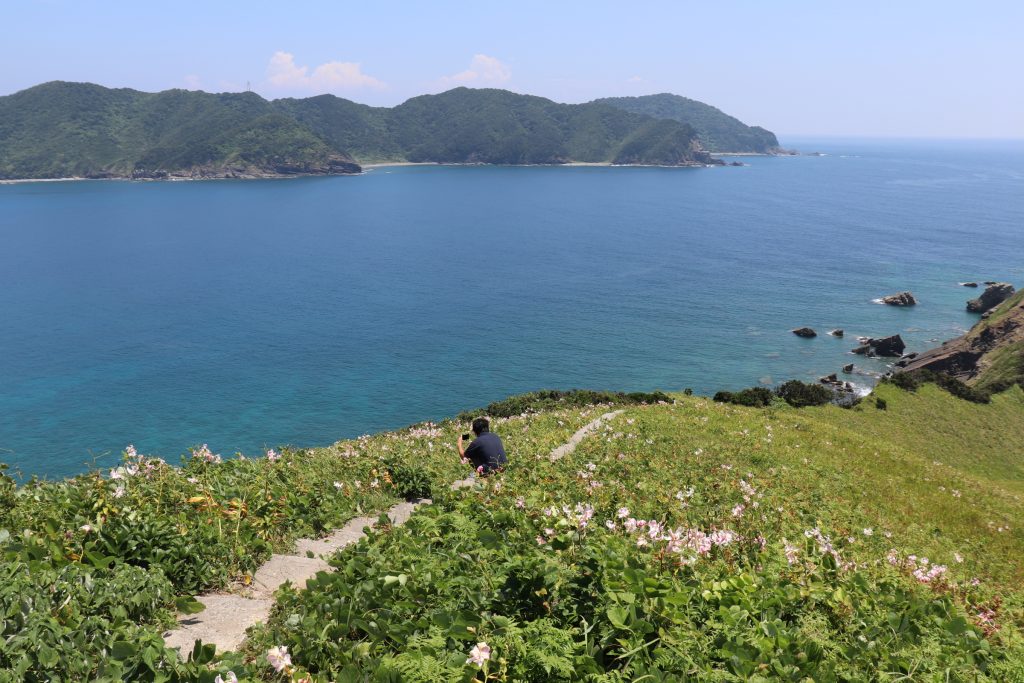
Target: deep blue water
(258, 313)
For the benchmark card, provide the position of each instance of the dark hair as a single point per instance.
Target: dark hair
(481, 425)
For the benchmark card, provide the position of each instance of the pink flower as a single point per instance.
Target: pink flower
(792, 552)
(480, 653)
(279, 658)
(273, 456)
(520, 503)
(230, 678)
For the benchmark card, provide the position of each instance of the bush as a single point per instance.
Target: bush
(794, 392)
(549, 399)
(409, 481)
(754, 397)
(801, 394)
(881, 404)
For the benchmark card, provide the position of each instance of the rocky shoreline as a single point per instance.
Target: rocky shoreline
(964, 358)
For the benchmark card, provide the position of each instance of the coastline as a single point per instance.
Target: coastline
(365, 167)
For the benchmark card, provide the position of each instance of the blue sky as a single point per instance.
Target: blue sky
(894, 68)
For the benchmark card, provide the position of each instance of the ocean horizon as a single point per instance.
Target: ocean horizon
(253, 314)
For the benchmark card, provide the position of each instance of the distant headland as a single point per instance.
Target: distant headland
(61, 130)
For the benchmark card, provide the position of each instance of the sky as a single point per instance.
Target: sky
(898, 68)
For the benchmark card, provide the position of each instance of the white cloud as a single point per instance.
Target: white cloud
(193, 82)
(283, 72)
(483, 70)
(635, 79)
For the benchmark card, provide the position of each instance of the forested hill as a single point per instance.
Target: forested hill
(717, 131)
(83, 130)
(61, 129)
(496, 127)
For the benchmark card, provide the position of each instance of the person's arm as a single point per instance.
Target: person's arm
(462, 451)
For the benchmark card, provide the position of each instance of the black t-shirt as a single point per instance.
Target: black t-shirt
(487, 451)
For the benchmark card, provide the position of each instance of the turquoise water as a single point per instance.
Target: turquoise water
(258, 313)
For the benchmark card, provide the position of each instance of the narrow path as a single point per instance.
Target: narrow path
(227, 615)
(581, 433)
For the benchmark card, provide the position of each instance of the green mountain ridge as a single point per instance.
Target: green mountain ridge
(717, 131)
(62, 129)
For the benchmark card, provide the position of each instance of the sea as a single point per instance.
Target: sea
(259, 313)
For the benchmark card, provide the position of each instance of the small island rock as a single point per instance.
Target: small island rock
(805, 332)
(836, 332)
(886, 346)
(968, 284)
(994, 294)
(900, 299)
(848, 368)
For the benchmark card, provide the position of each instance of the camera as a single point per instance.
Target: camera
(467, 437)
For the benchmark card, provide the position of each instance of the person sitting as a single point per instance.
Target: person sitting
(486, 452)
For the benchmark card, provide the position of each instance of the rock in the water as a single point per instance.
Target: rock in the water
(994, 294)
(968, 284)
(848, 368)
(900, 299)
(805, 332)
(886, 346)
(836, 333)
(830, 379)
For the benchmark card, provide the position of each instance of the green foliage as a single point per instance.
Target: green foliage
(794, 392)
(802, 394)
(754, 397)
(78, 129)
(409, 481)
(553, 399)
(717, 131)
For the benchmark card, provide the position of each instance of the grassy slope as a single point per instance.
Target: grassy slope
(930, 476)
(896, 471)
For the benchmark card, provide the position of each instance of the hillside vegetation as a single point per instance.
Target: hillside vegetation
(687, 540)
(63, 129)
(716, 130)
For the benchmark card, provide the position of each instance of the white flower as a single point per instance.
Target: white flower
(118, 492)
(273, 456)
(869, 531)
(86, 528)
(231, 678)
(338, 485)
(480, 653)
(279, 658)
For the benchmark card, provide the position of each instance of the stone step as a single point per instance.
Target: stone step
(222, 623)
(351, 533)
(281, 568)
